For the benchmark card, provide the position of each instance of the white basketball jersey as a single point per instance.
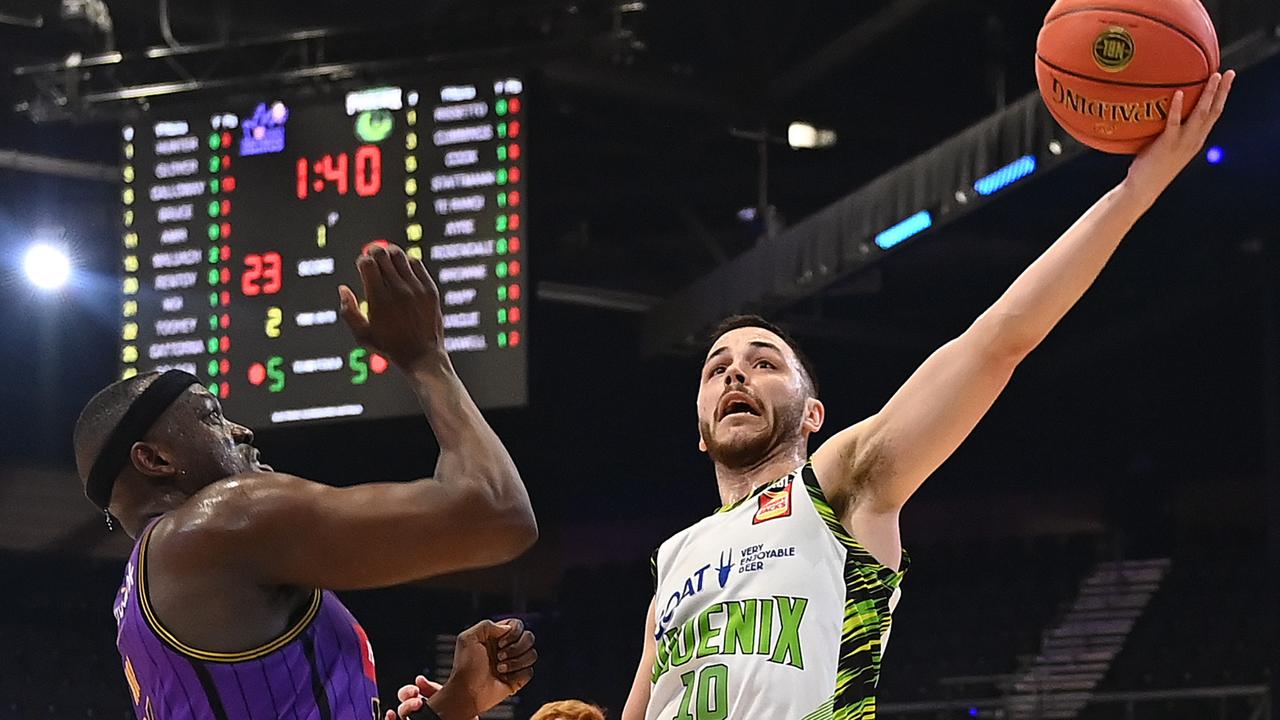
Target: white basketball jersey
(770, 610)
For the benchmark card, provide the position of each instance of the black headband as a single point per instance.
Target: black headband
(137, 420)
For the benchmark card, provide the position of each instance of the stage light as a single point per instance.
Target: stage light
(1006, 176)
(802, 135)
(908, 228)
(1055, 147)
(47, 267)
(1215, 155)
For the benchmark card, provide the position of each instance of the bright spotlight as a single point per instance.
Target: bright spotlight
(802, 135)
(47, 267)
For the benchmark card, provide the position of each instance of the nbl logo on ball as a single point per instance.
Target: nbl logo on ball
(1113, 50)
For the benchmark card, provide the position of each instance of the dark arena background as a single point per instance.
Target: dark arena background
(870, 174)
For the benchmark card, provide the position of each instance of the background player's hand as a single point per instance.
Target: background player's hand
(403, 321)
(412, 697)
(1183, 138)
(491, 662)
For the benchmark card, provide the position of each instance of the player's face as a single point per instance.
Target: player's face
(208, 446)
(753, 398)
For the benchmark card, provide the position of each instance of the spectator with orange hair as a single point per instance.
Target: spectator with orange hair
(569, 710)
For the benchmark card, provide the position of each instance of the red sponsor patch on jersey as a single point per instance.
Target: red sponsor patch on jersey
(366, 653)
(773, 504)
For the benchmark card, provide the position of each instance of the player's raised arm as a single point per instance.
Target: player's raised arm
(880, 462)
(473, 512)
(638, 699)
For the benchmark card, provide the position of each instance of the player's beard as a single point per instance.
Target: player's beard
(750, 451)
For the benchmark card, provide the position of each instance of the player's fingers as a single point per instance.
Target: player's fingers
(522, 644)
(412, 705)
(391, 715)
(407, 692)
(371, 276)
(424, 276)
(425, 686)
(1205, 103)
(401, 262)
(519, 662)
(514, 627)
(1175, 110)
(349, 308)
(1224, 90)
(386, 266)
(484, 631)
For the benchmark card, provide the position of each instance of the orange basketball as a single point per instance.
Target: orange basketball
(1108, 69)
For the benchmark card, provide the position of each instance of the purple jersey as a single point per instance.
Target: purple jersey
(321, 668)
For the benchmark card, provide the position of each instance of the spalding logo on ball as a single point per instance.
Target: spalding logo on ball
(1108, 69)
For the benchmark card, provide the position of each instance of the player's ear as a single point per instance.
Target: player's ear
(151, 460)
(702, 444)
(814, 414)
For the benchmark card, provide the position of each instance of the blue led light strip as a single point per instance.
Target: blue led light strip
(1006, 176)
(910, 227)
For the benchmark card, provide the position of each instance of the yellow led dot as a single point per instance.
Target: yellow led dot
(131, 240)
(410, 187)
(411, 163)
(128, 218)
(127, 196)
(131, 286)
(411, 209)
(128, 173)
(414, 252)
(131, 263)
(411, 141)
(413, 232)
(129, 354)
(128, 151)
(128, 373)
(412, 117)
(130, 308)
(130, 331)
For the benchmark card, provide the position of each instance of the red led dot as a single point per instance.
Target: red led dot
(224, 230)
(224, 322)
(377, 363)
(226, 161)
(513, 175)
(514, 338)
(318, 185)
(225, 298)
(514, 105)
(514, 268)
(513, 245)
(513, 315)
(513, 129)
(257, 374)
(513, 198)
(228, 184)
(369, 246)
(225, 253)
(513, 292)
(226, 139)
(224, 390)
(224, 366)
(513, 151)
(513, 221)
(224, 343)
(225, 275)
(226, 207)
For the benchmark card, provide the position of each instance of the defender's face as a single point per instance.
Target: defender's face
(752, 397)
(206, 445)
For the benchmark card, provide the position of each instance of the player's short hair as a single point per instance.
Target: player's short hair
(569, 710)
(734, 322)
(101, 415)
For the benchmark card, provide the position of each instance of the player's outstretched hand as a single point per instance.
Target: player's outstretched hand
(491, 661)
(403, 320)
(1183, 137)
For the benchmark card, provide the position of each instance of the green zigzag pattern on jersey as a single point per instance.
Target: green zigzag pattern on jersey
(868, 587)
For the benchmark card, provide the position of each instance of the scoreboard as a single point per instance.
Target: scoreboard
(240, 219)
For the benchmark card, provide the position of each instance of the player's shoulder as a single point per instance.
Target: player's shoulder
(229, 507)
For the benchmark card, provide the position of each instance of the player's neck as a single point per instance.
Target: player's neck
(736, 483)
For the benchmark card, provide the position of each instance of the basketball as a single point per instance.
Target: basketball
(1108, 69)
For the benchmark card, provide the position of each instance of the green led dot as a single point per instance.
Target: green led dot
(213, 299)
(500, 224)
(213, 276)
(502, 130)
(213, 209)
(502, 246)
(213, 368)
(502, 176)
(502, 293)
(213, 255)
(213, 322)
(502, 316)
(500, 107)
(502, 339)
(214, 141)
(213, 232)
(502, 152)
(213, 389)
(502, 200)
(501, 270)
(215, 164)
(213, 345)
(215, 187)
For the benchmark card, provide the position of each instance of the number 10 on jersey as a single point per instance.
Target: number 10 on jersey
(706, 694)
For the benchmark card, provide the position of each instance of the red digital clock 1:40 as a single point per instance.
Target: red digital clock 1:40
(334, 169)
